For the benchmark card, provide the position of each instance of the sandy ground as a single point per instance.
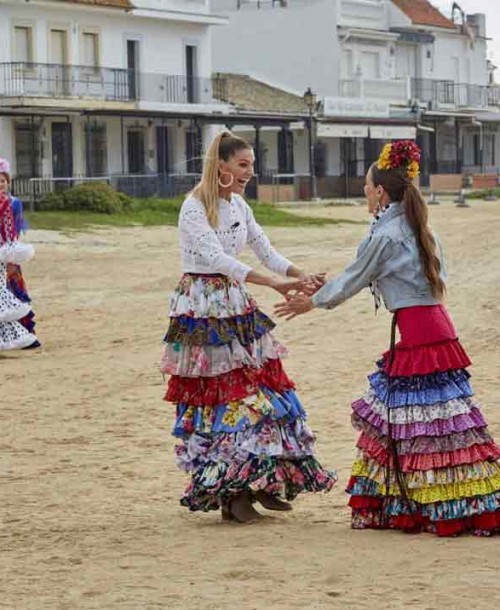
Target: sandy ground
(90, 516)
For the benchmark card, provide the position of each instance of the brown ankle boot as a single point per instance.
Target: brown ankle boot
(272, 502)
(241, 509)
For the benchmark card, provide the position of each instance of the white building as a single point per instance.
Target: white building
(291, 44)
(406, 53)
(101, 87)
(383, 69)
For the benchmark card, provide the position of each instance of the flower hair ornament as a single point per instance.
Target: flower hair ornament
(401, 154)
(4, 166)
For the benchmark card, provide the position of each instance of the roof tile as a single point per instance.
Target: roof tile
(422, 12)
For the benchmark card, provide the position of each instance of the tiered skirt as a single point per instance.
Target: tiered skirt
(13, 333)
(240, 425)
(17, 285)
(426, 461)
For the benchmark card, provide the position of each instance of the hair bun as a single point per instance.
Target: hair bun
(401, 154)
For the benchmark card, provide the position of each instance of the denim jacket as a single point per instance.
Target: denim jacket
(388, 260)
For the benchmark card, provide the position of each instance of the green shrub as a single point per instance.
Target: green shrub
(51, 201)
(89, 197)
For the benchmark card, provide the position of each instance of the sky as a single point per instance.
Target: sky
(491, 9)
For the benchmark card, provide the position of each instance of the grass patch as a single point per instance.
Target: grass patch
(161, 212)
(484, 193)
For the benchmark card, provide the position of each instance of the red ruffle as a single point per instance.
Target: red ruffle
(430, 461)
(427, 359)
(235, 385)
(367, 506)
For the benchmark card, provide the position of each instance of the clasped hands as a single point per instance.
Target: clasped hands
(298, 293)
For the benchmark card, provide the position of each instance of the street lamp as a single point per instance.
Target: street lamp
(477, 123)
(311, 101)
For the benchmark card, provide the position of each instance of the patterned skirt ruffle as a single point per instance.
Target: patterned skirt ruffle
(240, 424)
(17, 285)
(426, 461)
(13, 334)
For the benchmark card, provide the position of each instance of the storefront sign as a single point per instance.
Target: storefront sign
(346, 106)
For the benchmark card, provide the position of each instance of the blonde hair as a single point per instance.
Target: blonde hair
(222, 148)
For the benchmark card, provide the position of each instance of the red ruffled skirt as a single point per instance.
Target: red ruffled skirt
(426, 461)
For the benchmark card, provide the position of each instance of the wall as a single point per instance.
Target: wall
(161, 41)
(292, 48)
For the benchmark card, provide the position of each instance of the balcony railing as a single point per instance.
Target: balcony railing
(395, 90)
(448, 92)
(109, 84)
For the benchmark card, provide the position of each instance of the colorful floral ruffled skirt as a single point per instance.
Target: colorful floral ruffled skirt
(426, 461)
(240, 425)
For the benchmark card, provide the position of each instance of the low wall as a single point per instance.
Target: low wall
(484, 181)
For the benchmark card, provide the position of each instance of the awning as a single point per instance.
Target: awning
(392, 132)
(342, 131)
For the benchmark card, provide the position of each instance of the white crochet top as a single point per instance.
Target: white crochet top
(208, 250)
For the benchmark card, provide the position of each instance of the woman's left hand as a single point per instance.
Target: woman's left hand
(294, 306)
(312, 282)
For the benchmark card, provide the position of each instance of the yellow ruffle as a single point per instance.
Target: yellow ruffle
(440, 492)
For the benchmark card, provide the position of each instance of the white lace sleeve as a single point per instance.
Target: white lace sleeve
(16, 252)
(260, 244)
(201, 244)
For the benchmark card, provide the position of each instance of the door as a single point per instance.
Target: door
(133, 69)
(162, 150)
(136, 151)
(191, 70)
(62, 150)
(285, 152)
(58, 59)
(96, 149)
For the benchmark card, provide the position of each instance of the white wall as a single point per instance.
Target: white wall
(292, 48)
(451, 50)
(162, 42)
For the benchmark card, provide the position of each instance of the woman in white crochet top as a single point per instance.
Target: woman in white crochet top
(241, 427)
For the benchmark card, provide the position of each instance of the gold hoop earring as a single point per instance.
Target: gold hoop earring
(221, 184)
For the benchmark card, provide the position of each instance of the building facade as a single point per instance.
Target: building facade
(105, 87)
(399, 69)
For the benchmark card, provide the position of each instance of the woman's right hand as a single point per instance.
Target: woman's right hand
(287, 287)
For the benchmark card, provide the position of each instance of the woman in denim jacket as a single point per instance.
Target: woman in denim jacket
(426, 461)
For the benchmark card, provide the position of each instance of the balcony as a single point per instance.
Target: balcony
(449, 93)
(396, 91)
(55, 81)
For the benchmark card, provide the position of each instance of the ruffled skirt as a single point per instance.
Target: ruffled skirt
(17, 285)
(426, 461)
(13, 334)
(240, 425)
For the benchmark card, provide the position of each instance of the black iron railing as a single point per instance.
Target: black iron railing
(114, 84)
(456, 94)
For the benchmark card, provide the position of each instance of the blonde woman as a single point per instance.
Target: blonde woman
(241, 427)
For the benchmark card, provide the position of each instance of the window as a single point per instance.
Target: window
(191, 72)
(23, 44)
(347, 64)
(58, 47)
(370, 64)
(28, 150)
(90, 49)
